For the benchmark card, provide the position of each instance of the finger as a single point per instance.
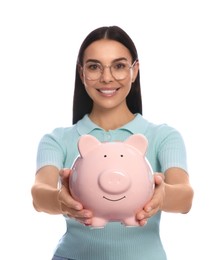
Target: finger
(143, 222)
(158, 179)
(64, 177)
(83, 216)
(64, 173)
(86, 222)
(153, 205)
(65, 198)
(143, 216)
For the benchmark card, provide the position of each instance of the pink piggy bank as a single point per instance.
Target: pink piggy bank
(112, 179)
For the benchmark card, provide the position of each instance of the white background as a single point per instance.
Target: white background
(180, 46)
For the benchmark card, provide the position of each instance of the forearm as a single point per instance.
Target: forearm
(45, 199)
(178, 198)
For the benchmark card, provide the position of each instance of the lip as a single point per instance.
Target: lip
(107, 91)
(115, 199)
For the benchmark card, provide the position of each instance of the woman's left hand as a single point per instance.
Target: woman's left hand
(155, 204)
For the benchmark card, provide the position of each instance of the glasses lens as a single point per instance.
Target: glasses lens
(93, 70)
(120, 70)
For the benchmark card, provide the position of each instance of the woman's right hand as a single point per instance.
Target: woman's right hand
(69, 206)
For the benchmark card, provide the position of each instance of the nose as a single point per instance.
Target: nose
(106, 74)
(114, 182)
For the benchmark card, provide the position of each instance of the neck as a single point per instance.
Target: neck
(111, 120)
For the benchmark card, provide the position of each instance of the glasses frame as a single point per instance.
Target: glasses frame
(106, 66)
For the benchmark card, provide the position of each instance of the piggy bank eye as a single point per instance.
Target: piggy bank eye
(105, 155)
(121, 155)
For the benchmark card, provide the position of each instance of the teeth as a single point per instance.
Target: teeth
(108, 91)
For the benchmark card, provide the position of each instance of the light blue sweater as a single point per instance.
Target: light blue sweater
(113, 242)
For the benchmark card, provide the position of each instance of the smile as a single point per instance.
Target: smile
(108, 91)
(114, 200)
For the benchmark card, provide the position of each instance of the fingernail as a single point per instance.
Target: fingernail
(140, 217)
(148, 209)
(87, 222)
(78, 207)
(87, 215)
(145, 222)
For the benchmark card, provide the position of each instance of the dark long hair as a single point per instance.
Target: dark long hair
(82, 103)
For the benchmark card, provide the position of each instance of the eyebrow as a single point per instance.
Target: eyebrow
(115, 60)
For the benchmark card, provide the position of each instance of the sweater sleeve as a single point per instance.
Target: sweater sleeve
(171, 150)
(50, 150)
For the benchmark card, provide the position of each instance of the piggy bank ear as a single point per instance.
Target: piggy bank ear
(138, 141)
(86, 144)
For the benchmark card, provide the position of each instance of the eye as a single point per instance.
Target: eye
(119, 66)
(105, 155)
(121, 155)
(93, 66)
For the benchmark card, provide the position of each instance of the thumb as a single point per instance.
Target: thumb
(64, 173)
(158, 179)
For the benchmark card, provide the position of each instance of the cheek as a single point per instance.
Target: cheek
(89, 85)
(90, 88)
(128, 82)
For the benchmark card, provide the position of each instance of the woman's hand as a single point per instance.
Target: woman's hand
(156, 203)
(69, 206)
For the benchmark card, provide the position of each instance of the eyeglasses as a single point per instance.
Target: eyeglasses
(119, 70)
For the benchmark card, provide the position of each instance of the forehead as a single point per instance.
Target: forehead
(106, 51)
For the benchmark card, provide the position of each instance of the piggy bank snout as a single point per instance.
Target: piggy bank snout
(114, 181)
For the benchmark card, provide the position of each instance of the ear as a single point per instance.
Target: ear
(135, 71)
(80, 71)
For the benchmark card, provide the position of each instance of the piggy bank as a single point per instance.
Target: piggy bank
(112, 179)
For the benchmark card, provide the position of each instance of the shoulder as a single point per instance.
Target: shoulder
(65, 135)
(161, 135)
(154, 129)
(60, 135)
(60, 132)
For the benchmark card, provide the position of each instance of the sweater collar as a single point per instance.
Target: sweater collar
(137, 125)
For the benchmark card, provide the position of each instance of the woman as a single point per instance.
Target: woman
(107, 104)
